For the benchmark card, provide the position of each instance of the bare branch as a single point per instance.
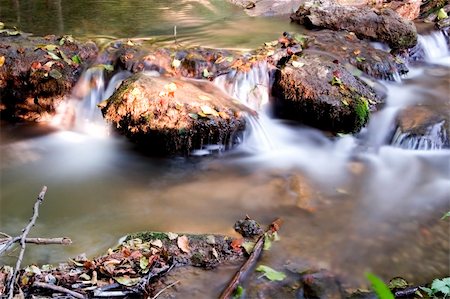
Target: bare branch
(58, 289)
(250, 262)
(169, 286)
(39, 241)
(27, 229)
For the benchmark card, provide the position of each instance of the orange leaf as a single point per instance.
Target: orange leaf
(183, 244)
(236, 244)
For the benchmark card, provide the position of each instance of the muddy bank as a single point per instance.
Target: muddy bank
(38, 73)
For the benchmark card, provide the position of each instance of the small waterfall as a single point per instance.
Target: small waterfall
(434, 47)
(252, 88)
(80, 112)
(434, 138)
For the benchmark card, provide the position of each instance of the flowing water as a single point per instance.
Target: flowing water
(349, 204)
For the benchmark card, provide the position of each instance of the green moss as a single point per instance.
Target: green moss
(148, 236)
(361, 106)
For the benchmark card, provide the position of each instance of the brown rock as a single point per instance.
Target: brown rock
(381, 25)
(174, 116)
(38, 72)
(322, 94)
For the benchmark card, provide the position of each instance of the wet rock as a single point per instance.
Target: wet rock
(267, 7)
(36, 73)
(320, 93)
(174, 116)
(248, 228)
(195, 62)
(421, 127)
(200, 250)
(359, 53)
(381, 25)
(407, 9)
(320, 285)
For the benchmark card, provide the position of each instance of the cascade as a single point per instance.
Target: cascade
(434, 45)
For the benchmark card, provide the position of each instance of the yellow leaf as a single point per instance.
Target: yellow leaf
(176, 63)
(208, 110)
(183, 244)
(224, 115)
(2, 60)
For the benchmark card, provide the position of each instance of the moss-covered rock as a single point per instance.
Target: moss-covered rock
(320, 93)
(36, 73)
(366, 22)
(347, 47)
(174, 116)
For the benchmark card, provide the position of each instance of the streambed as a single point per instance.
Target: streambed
(349, 205)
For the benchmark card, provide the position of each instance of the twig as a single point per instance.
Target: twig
(250, 262)
(39, 241)
(406, 292)
(165, 288)
(5, 234)
(53, 287)
(27, 229)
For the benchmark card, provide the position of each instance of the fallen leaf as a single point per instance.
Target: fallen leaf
(143, 262)
(176, 63)
(215, 254)
(224, 115)
(248, 246)
(236, 244)
(270, 273)
(183, 244)
(205, 73)
(55, 74)
(208, 110)
(297, 64)
(76, 59)
(173, 236)
(35, 65)
(84, 276)
(357, 52)
(157, 243)
(127, 281)
(53, 55)
(2, 60)
(442, 14)
(210, 239)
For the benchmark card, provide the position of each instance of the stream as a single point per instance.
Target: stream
(350, 204)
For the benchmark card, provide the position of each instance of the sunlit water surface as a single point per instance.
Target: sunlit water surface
(350, 205)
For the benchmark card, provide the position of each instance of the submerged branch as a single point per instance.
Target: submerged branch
(24, 235)
(250, 262)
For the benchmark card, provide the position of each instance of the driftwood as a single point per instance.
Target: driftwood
(24, 235)
(250, 262)
(37, 241)
(58, 289)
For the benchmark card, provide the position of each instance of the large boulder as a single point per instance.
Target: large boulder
(36, 73)
(174, 116)
(375, 24)
(320, 93)
(347, 47)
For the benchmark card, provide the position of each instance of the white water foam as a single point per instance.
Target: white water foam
(435, 48)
